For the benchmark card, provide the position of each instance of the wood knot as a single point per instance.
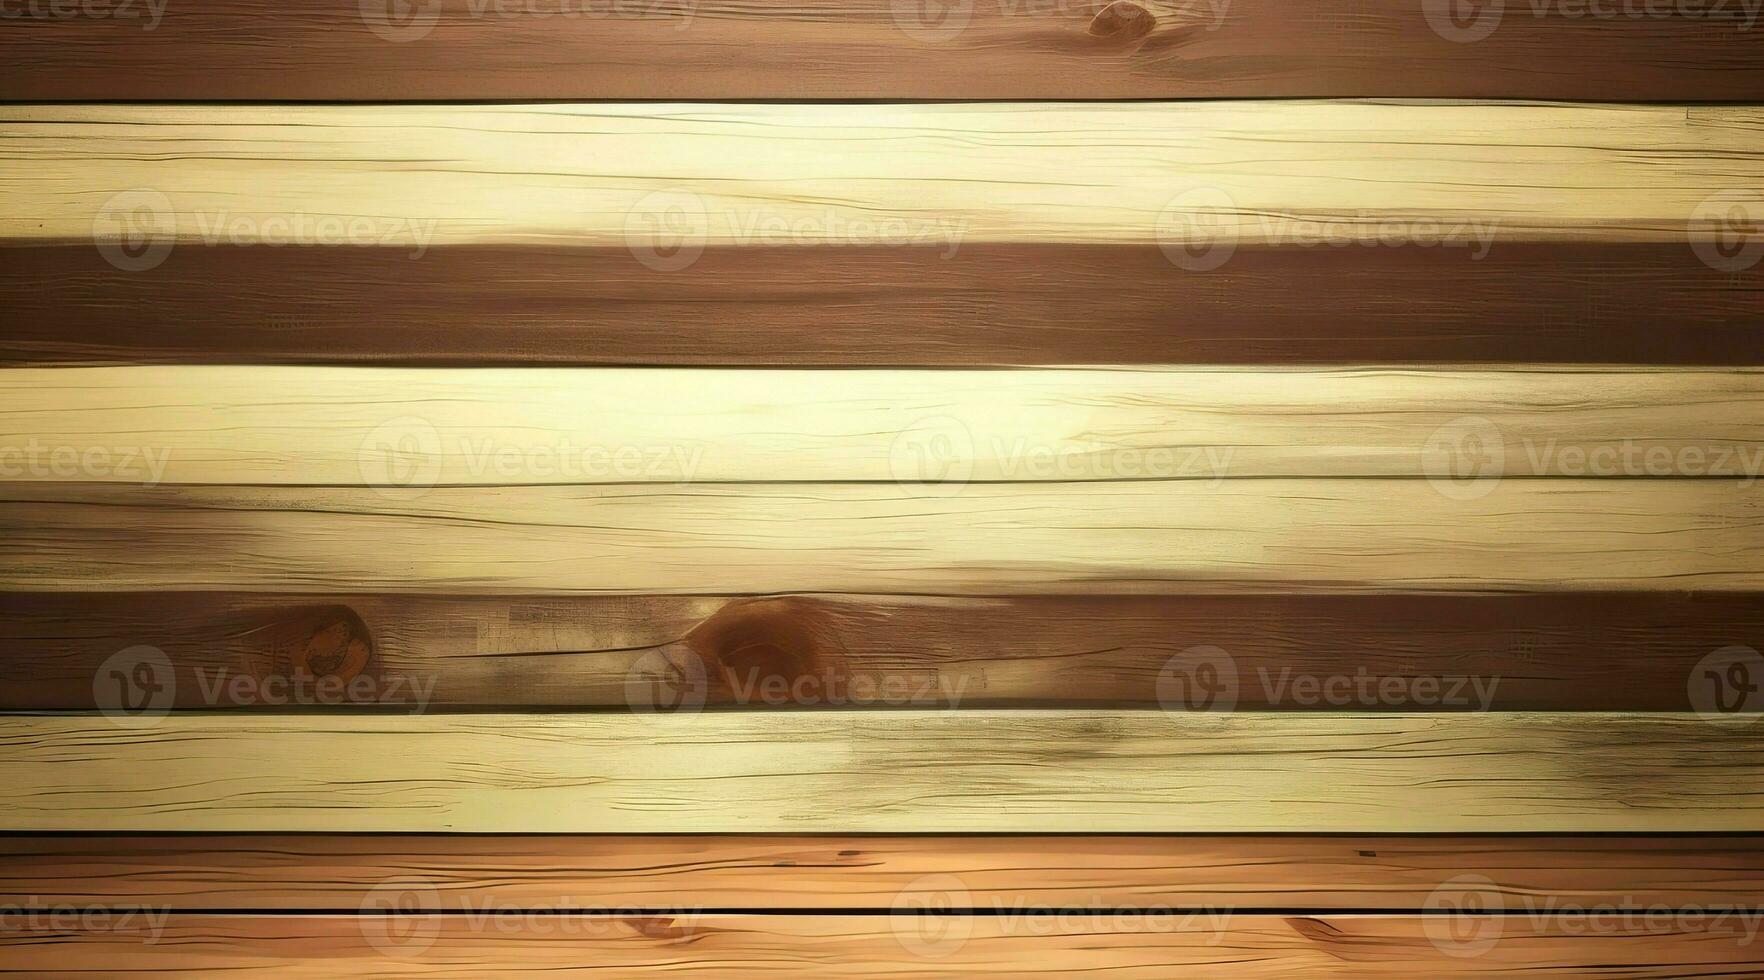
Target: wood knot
(658, 927)
(1123, 21)
(340, 647)
(775, 651)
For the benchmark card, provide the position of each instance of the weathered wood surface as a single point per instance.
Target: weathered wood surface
(459, 873)
(349, 426)
(887, 49)
(1056, 771)
(1035, 943)
(989, 304)
(666, 179)
(1173, 536)
(1542, 651)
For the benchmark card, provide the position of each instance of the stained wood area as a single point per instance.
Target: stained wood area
(1173, 536)
(883, 772)
(459, 873)
(868, 49)
(1131, 944)
(1545, 651)
(666, 179)
(1653, 303)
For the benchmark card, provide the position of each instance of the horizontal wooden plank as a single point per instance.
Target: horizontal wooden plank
(1540, 651)
(352, 426)
(464, 872)
(1035, 943)
(862, 49)
(885, 772)
(1005, 304)
(1194, 177)
(1174, 536)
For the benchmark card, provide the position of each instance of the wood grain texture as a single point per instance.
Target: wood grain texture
(1177, 536)
(351, 426)
(1003, 304)
(1056, 771)
(665, 179)
(1542, 651)
(860, 49)
(464, 872)
(1128, 945)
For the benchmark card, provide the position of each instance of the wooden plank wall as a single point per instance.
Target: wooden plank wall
(1120, 488)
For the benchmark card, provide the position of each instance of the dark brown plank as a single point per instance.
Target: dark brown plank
(316, 872)
(1559, 652)
(1617, 303)
(1034, 943)
(892, 49)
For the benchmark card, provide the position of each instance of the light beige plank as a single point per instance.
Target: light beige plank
(1136, 536)
(356, 425)
(885, 772)
(664, 175)
(1034, 941)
